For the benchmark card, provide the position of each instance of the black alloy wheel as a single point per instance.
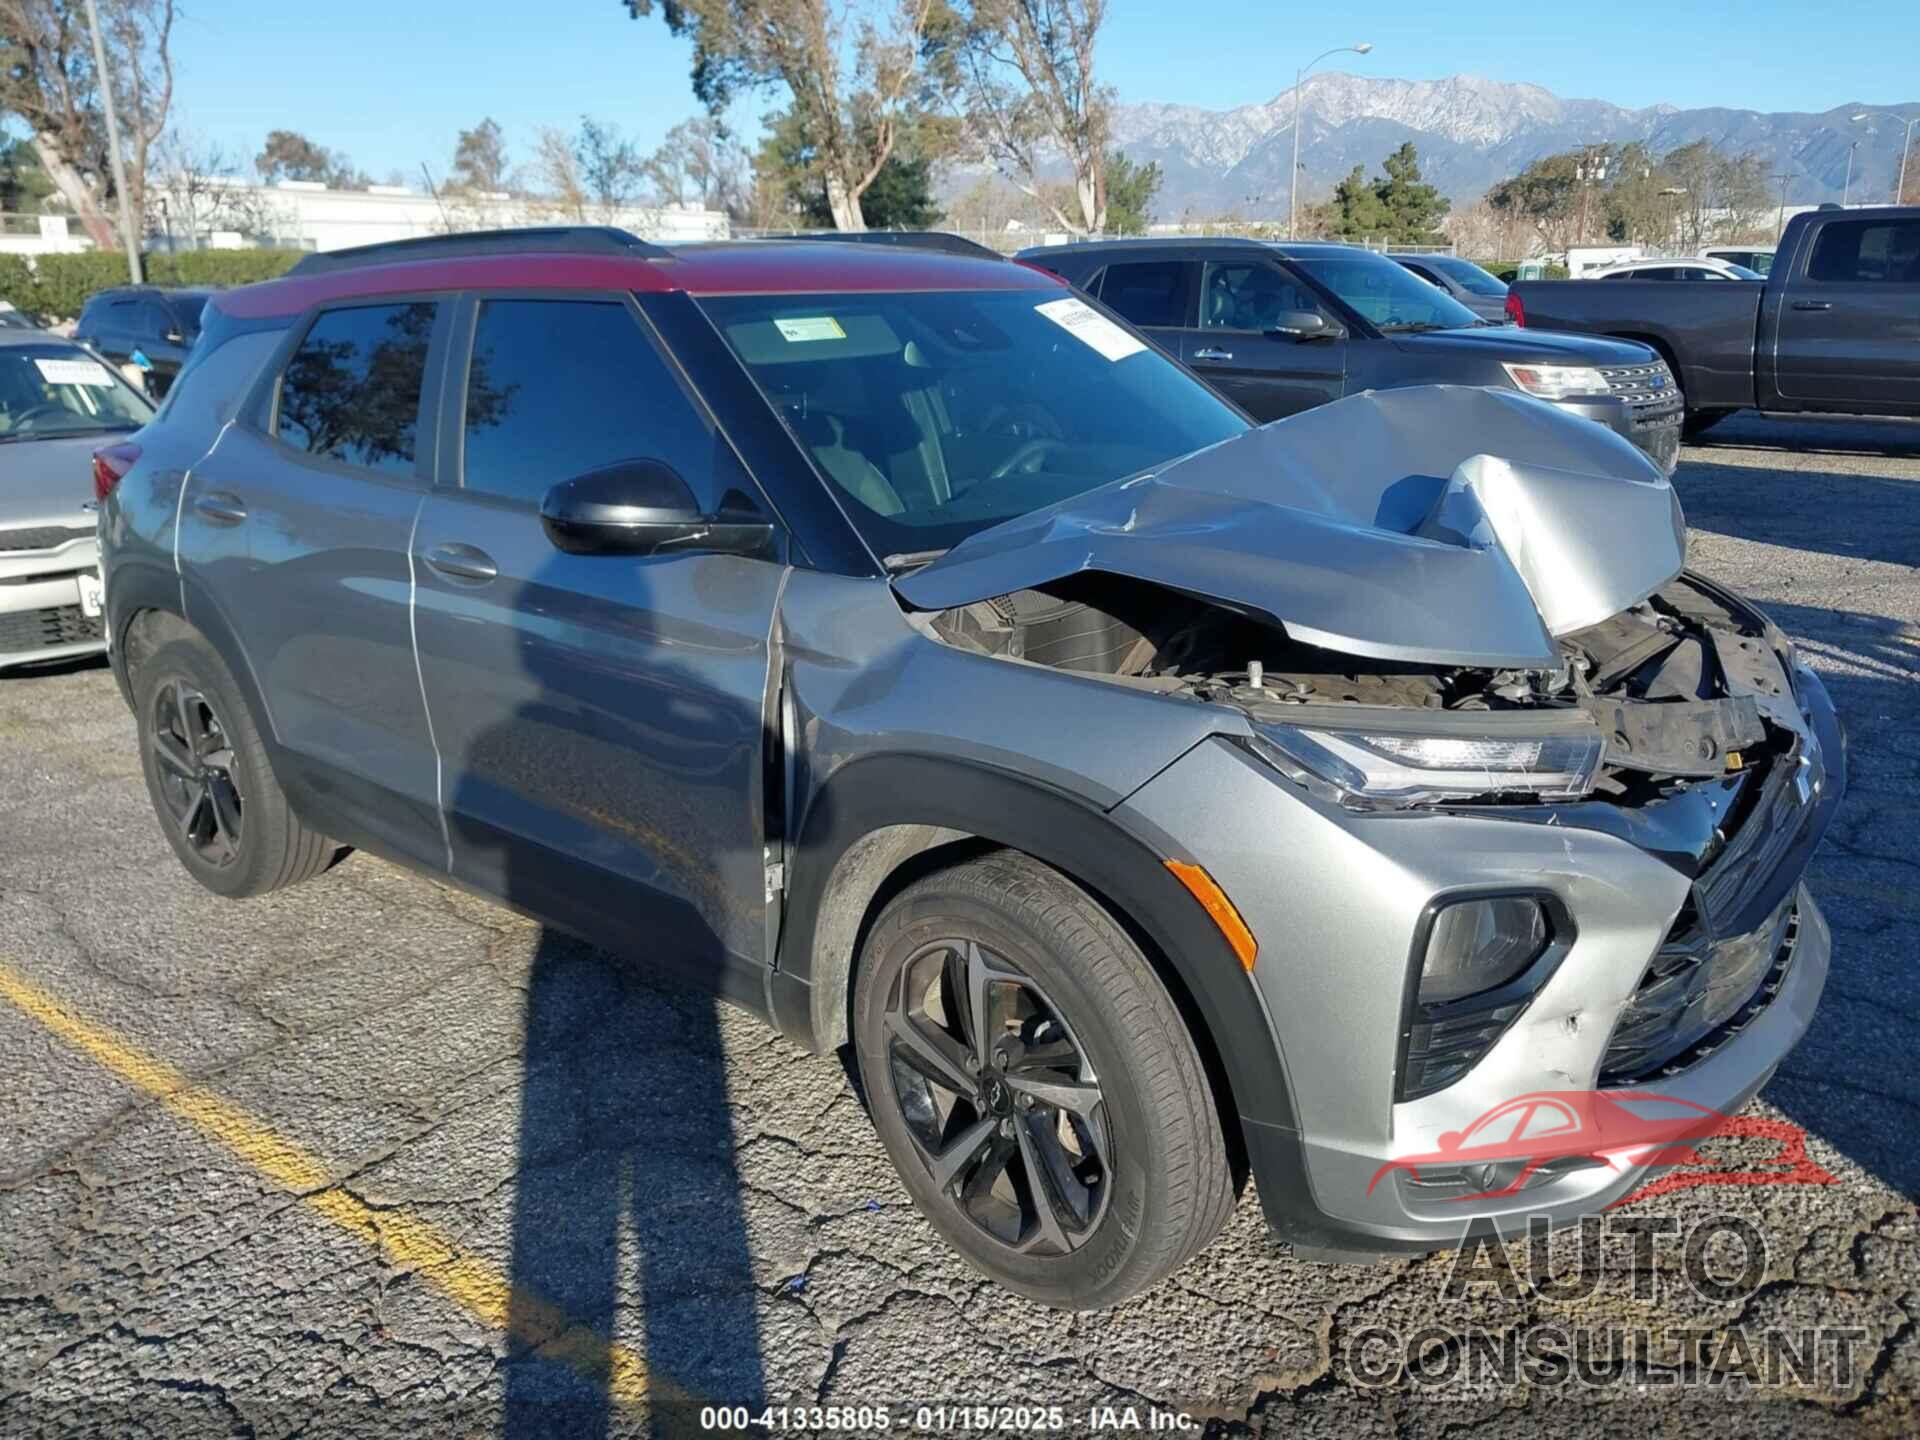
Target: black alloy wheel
(197, 787)
(999, 1098)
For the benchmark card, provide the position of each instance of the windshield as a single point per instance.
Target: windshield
(1467, 275)
(1383, 294)
(935, 415)
(51, 390)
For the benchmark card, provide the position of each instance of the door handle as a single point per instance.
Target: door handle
(1209, 353)
(221, 507)
(462, 562)
(1813, 304)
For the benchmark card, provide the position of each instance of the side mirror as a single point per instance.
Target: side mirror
(642, 507)
(1303, 325)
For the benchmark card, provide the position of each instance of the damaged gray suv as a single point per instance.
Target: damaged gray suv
(902, 647)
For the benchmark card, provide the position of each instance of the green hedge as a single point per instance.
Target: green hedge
(57, 286)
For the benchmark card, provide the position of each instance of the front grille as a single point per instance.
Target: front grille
(1698, 994)
(43, 537)
(44, 629)
(1644, 387)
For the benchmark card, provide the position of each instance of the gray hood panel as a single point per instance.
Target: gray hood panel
(50, 482)
(1437, 524)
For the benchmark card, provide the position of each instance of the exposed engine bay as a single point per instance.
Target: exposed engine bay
(1682, 685)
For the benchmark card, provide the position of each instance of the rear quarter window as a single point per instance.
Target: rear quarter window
(350, 392)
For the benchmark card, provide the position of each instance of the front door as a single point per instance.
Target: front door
(1240, 353)
(599, 717)
(1848, 330)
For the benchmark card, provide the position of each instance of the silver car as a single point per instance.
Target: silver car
(902, 647)
(58, 404)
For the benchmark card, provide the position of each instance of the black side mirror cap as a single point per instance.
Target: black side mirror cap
(643, 507)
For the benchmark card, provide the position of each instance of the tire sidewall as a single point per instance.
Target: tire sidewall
(1082, 1278)
(191, 662)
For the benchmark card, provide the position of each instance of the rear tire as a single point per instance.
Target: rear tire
(207, 773)
(1081, 1093)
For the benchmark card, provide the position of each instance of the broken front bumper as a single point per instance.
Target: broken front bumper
(1336, 899)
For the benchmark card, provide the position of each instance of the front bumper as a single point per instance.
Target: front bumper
(1335, 899)
(46, 612)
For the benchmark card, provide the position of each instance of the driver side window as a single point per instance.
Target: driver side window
(1250, 295)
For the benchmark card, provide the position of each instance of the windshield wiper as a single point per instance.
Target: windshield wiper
(1414, 328)
(12, 436)
(909, 560)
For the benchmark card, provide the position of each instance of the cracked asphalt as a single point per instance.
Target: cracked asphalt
(372, 1157)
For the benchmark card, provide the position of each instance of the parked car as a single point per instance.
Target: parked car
(1278, 329)
(159, 325)
(1483, 293)
(899, 646)
(14, 318)
(56, 403)
(1758, 261)
(1668, 269)
(1835, 328)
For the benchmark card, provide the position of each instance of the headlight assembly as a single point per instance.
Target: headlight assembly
(1557, 382)
(1395, 768)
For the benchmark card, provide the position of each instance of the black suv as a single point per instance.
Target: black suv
(1280, 328)
(160, 324)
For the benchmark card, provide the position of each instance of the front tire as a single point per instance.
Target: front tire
(207, 773)
(1035, 1085)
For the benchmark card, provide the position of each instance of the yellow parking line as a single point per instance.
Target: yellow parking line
(403, 1239)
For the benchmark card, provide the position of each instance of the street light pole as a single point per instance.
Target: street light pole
(1846, 191)
(1293, 183)
(1781, 228)
(128, 236)
(1906, 143)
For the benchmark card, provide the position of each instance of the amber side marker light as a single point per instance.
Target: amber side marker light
(1214, 899)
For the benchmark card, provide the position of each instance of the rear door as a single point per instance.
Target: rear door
(1846, 325)
(294, 530)
(1238, 351)
(1155, 294)
(599, 717)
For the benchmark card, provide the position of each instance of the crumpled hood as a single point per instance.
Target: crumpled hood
(1438, 524)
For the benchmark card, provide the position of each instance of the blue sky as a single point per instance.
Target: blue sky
(391, 83)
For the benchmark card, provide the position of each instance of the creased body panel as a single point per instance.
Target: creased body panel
(1442, 524)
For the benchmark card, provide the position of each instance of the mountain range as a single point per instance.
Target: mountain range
(1470, 133)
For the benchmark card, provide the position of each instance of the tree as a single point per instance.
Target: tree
(849, 67)
(610, 168)
(195, 189)
(1021, 74)
(1130, 190)
(1356, 211)
(479, 159)
(557, 172)
(699, 163)
(1546, 196)
(289, 155)
(48, 79)
(900, 197)
(1414, 209)
(24, 183)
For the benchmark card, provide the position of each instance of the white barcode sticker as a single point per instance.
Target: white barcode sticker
(74, 372)
(1091, 328)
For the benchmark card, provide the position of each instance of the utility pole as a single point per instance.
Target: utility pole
(1781, 228)
(129, 237)
(1846, 191)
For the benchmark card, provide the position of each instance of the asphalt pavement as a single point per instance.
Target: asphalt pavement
(370, 1156)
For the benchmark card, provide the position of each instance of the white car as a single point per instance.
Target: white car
(1691, 268)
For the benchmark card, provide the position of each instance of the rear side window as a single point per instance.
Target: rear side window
(1150, 294)
(351, 392)
(1852, 252)
(558, 388)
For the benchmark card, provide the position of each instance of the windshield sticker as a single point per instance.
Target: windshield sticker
(810, 327)
(1091, 328)
(74, 372)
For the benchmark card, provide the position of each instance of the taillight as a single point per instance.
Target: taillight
(1516, 312)
(110, 465)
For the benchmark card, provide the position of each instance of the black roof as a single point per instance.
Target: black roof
(532, 239)
(910, 239)
(1189, 242)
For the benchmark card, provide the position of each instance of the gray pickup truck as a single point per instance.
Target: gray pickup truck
(1834, 329)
